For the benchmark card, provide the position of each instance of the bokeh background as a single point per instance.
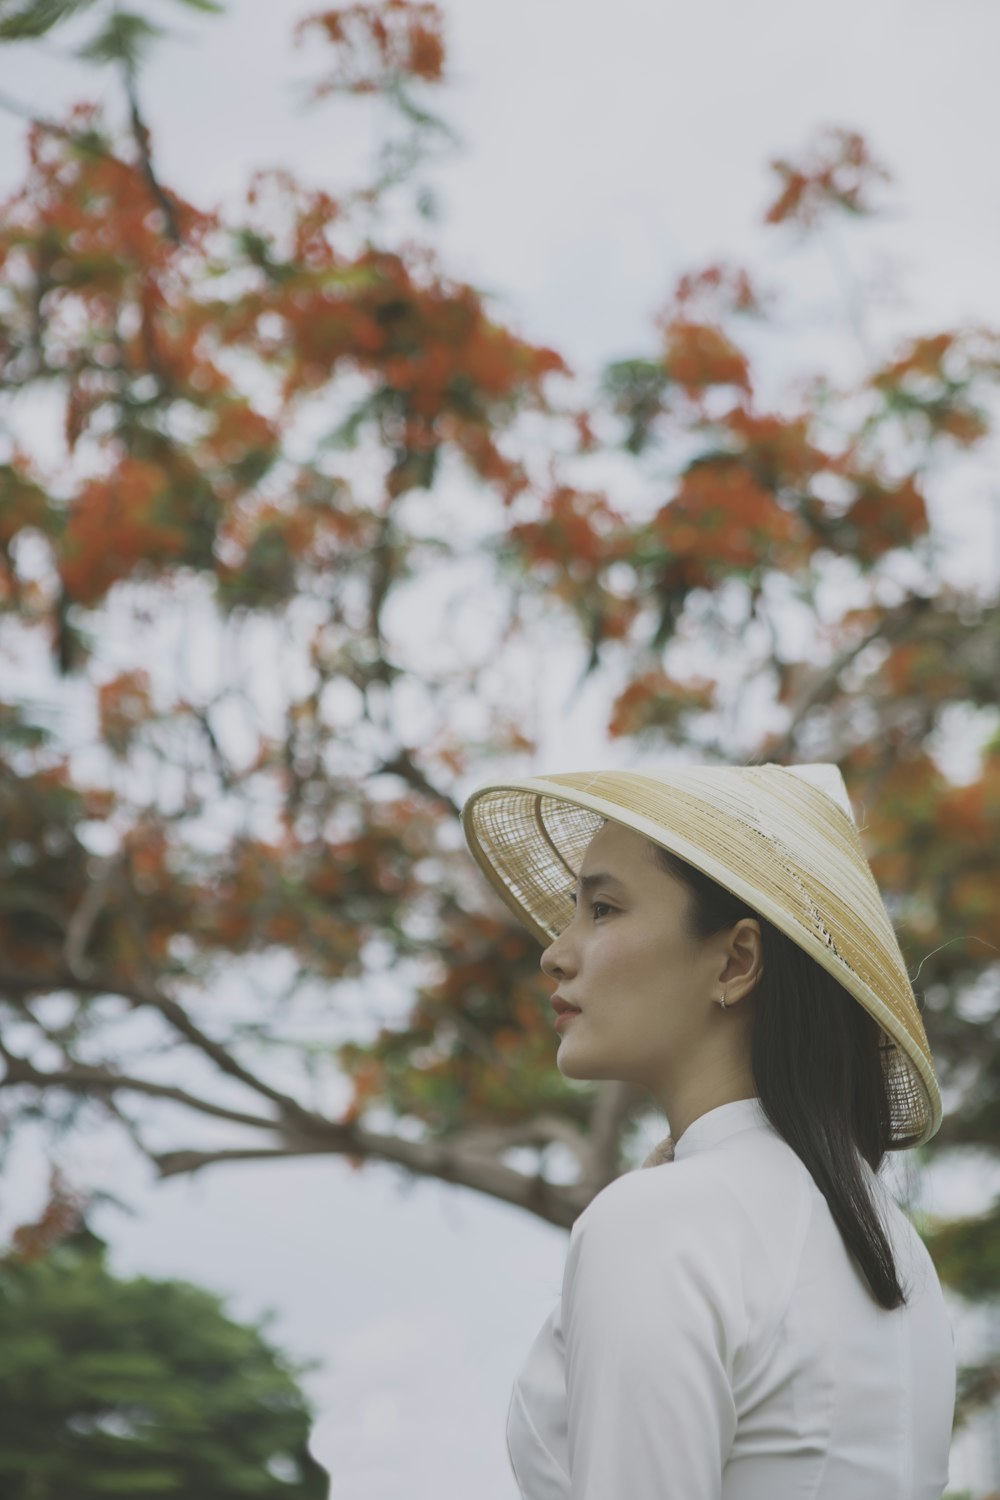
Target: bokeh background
(601, 152)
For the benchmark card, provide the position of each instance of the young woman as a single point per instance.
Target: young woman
(755, 1318)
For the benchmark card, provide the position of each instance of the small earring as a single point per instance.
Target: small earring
(722, 1000)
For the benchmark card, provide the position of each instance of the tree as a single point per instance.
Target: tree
(136, 1387)
(277, 431)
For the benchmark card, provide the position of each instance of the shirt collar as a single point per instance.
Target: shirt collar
(718, 1124)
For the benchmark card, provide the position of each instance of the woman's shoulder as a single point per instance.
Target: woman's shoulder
(694, 1192)
(746, 1206)
(664, 1237)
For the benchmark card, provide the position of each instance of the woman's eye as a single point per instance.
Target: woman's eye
(603, 904)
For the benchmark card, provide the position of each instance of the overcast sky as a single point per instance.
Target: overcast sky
(609, 145)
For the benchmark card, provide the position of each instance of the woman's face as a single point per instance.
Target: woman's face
(647, 989)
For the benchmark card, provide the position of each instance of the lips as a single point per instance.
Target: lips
(561, 1006)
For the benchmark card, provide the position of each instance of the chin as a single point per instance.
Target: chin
(584, 1067)
(595, 1066)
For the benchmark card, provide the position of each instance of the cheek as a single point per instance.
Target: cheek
(617, 951)
(651, 969)
(603, 938)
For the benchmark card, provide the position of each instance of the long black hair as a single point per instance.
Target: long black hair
(816, 1064)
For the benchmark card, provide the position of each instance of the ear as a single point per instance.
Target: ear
(743, 959)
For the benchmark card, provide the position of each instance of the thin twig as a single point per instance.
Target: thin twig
(81, 923)
(891, 625)
(141, 136)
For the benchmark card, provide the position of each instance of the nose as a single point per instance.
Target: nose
(552, 961)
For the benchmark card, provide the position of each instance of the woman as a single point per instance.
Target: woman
(755, 1317)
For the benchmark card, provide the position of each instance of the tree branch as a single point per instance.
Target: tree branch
(544, 1130)
(147, 993)
(612, 1105)
(81, 923)
(468, 1160)
(84, 1078)
(556, 1203)
(81, 138)
(141, 136)
(891, 625)
(401, 765)
(176, 1016)
(222, 767)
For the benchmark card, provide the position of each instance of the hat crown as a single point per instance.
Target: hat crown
(826, 776)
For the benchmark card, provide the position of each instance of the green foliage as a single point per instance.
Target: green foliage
(129, 1388)
(967, 1254)
(124, 38)
(635, 390)
(123, 35)
(26, 20)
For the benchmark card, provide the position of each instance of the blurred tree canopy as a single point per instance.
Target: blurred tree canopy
(230, 766)
(111, 1387)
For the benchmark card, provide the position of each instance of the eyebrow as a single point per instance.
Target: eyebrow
(588, 882)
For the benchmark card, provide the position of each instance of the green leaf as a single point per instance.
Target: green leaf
(23, 20)
(123, 38)
(210, 7)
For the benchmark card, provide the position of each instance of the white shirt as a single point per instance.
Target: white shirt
(715, 1340)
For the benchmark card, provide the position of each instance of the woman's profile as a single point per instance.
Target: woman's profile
(754, 1317)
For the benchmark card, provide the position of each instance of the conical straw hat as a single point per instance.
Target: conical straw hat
(781, 837)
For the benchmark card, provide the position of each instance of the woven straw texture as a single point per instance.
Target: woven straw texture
(781, 837)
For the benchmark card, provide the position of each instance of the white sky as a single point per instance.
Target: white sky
(609, 145)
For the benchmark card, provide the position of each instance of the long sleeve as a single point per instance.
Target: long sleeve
(653, 1314)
